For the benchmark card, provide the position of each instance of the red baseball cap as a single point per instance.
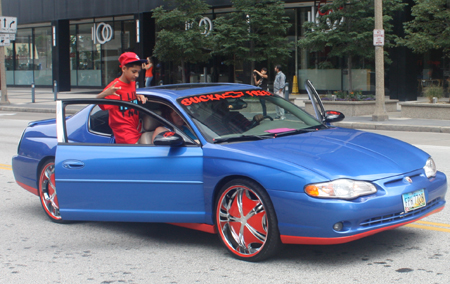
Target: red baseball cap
(130, 57)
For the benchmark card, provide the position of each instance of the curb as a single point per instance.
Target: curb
(393, 127)
(38, 110)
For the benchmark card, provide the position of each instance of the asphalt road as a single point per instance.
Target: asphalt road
(35, 250)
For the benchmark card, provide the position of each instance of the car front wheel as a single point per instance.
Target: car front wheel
(47, 192)
(246, 221)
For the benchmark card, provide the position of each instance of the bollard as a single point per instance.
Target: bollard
(137, 85)
(286, 91)
(435, 100)
(286, 95)
(161, 82)
(55, 90)
(33, 87)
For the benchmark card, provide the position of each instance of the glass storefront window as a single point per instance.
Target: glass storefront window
(43, 56)
(328, 73)
(88, 53)
(24, 51)
(97, 64)
(9, 64)
(111, 52)
(73, 56)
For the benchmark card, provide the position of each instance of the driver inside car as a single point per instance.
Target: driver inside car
(223, 121)
(172, 116)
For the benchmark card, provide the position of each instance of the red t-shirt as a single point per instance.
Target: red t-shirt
(149, 72)
(124, 122)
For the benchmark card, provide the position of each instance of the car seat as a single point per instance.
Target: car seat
(149, 124)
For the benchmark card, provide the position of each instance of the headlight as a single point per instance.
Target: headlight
(341, 188)
(430, 168)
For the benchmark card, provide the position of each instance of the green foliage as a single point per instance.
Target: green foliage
(430, 28)
(433, 91)
(351, 96)
(254, 32)
(352, 36)
(176, 43)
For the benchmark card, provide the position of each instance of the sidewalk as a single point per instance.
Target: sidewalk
(20, 101)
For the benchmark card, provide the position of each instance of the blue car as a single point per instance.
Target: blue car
(232, 167)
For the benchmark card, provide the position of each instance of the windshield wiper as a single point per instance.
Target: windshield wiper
(301, 130)
(242, 138)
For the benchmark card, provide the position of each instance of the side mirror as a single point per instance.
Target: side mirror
(333, 116)
(168, 138)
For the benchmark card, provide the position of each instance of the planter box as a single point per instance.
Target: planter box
(426, 110)
(353, 108)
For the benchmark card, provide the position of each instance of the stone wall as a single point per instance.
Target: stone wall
(353, 108)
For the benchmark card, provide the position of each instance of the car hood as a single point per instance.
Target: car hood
(335, 153)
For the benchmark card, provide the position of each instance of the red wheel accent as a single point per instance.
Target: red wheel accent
(47, 192)
(246, 221)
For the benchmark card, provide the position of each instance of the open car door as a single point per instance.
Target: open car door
(325, 116)
(127, 182)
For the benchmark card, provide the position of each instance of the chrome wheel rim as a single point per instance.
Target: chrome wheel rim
(48, 196)
(242, 221)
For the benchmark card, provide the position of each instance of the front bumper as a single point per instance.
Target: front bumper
(306, 220)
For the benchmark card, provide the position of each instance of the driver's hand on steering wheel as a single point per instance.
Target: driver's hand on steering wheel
(258, 117)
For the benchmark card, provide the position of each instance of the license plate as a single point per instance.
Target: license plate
(414, 200)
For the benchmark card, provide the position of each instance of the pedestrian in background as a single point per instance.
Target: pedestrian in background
(148, 71)
(278, 87)
(262, 83)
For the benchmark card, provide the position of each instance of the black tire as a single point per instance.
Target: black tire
(246, 221)
(47, 192)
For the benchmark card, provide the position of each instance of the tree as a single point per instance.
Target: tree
(254, 32)
(346, 29)
(430, 28)
(180, 37)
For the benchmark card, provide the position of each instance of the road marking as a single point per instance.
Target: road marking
(7, 114)
(434, 224)
(5, 167)
(430, 226)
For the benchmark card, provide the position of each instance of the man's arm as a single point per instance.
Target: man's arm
(276, 83)
(282, 81)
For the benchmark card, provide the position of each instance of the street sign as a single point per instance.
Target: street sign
(378, 37)
(8, 25)
(5, 40)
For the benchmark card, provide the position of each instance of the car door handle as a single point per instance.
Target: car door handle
(73, 164)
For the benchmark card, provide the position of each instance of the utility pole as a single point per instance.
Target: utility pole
(380, 108)
(4, 99)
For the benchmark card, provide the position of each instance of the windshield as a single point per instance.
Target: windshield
(246, 115)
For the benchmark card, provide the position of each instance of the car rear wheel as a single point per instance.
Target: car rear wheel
(47, 192)
(246, 221)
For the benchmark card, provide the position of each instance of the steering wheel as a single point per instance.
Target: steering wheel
(266, 116)
(257, 122)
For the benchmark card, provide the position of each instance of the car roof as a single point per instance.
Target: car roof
(176, 91)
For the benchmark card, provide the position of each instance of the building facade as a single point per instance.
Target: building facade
(76, 43)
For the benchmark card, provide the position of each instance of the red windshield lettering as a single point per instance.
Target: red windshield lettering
(258, 93)
(203, 98)
(222, 96)
(195, 100)
(212, 98)
(186, 102)
(232, 95)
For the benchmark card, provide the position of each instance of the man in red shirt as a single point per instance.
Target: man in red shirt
(124, 122)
